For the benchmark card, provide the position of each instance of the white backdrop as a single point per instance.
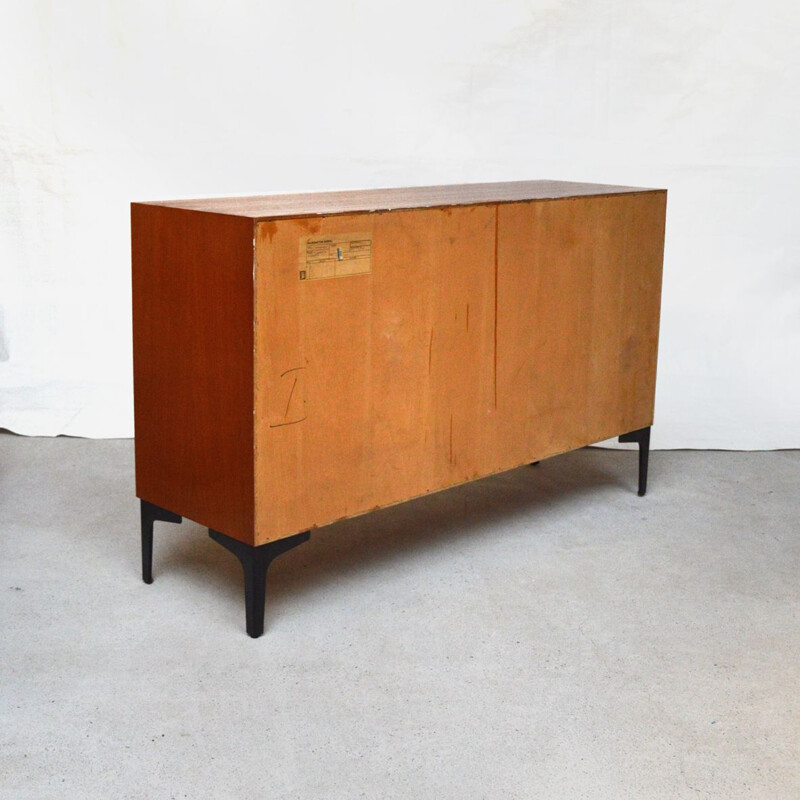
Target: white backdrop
(102, 103)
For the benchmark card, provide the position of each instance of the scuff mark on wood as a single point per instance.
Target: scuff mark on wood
(430, 351)
(496, 223)
(451, 439)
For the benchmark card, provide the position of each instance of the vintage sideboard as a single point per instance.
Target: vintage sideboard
(300, 359)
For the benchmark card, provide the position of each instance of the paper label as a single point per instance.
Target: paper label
(335, 255)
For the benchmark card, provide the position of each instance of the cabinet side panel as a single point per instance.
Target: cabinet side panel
(193, 365)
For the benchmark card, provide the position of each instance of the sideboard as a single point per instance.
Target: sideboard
(300, 359)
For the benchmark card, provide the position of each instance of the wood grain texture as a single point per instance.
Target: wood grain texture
(485, 337)
(193, 365)
(326, 203)
(579, 296)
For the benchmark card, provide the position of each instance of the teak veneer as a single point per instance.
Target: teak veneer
(300, 359)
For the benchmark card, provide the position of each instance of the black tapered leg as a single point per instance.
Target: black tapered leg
(642, 436)
(255, 563)
(151, 513)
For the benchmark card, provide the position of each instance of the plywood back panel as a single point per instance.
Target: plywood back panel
(579, 295)
(484, 337)
(193, 365)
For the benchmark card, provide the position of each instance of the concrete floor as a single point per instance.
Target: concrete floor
(540, 634)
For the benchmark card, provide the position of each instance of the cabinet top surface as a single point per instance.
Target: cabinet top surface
(278, 206)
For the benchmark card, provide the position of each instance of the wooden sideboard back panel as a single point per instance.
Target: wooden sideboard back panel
(485, 337)
(578, 346)
(193, 365)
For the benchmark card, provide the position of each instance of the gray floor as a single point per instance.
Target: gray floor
(541, 634)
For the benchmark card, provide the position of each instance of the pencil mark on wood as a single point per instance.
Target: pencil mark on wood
(293, 369)
(291, 422)
(289, 401)
(286, 412)
(467, 317)
(430, 351)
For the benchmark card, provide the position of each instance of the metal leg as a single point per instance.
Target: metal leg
(151, 513)
(255, 563)
(642, 436)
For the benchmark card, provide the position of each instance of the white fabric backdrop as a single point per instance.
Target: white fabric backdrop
(102, 103)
